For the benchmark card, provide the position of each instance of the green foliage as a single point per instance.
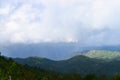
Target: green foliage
(9, 68)
(116, 77)
(91, 77)
(78, 64)
(17, 72)
(44, 78)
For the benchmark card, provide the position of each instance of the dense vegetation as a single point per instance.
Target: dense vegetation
(78, 64)
(10, 70)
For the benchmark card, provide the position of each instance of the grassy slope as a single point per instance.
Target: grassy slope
(102, 54)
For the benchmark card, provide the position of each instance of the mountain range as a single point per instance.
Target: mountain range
(10, 70)
(54, 51)
(98, 62)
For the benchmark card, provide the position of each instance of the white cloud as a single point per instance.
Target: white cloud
(58, 20)
(5, 10)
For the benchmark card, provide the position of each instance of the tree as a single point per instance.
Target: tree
(44, 78)
(90, 77)
(116, 77)
(0, 53)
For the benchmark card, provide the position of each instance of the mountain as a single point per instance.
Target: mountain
(103, 54)
(35, 61)
(59, 50)
(79, 64)
(10, 70)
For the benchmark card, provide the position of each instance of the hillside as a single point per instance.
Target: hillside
(10, 70)
(102, 54)
(78, 64)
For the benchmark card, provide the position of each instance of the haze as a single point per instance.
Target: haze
(83, 22)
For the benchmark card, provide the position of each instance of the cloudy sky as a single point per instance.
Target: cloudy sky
(88, 22)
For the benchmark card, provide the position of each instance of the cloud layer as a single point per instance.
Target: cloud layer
(85, 21)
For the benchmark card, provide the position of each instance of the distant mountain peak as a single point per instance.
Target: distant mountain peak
(35, 57)
(79, 63)
(102, 54)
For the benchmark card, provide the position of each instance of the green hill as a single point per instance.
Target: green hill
(10, 70)
(78, 64)
(102, 54)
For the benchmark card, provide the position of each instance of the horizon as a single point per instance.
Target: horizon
(54, 51)
(32, 27)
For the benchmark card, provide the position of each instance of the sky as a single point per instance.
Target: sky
(87, 22)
